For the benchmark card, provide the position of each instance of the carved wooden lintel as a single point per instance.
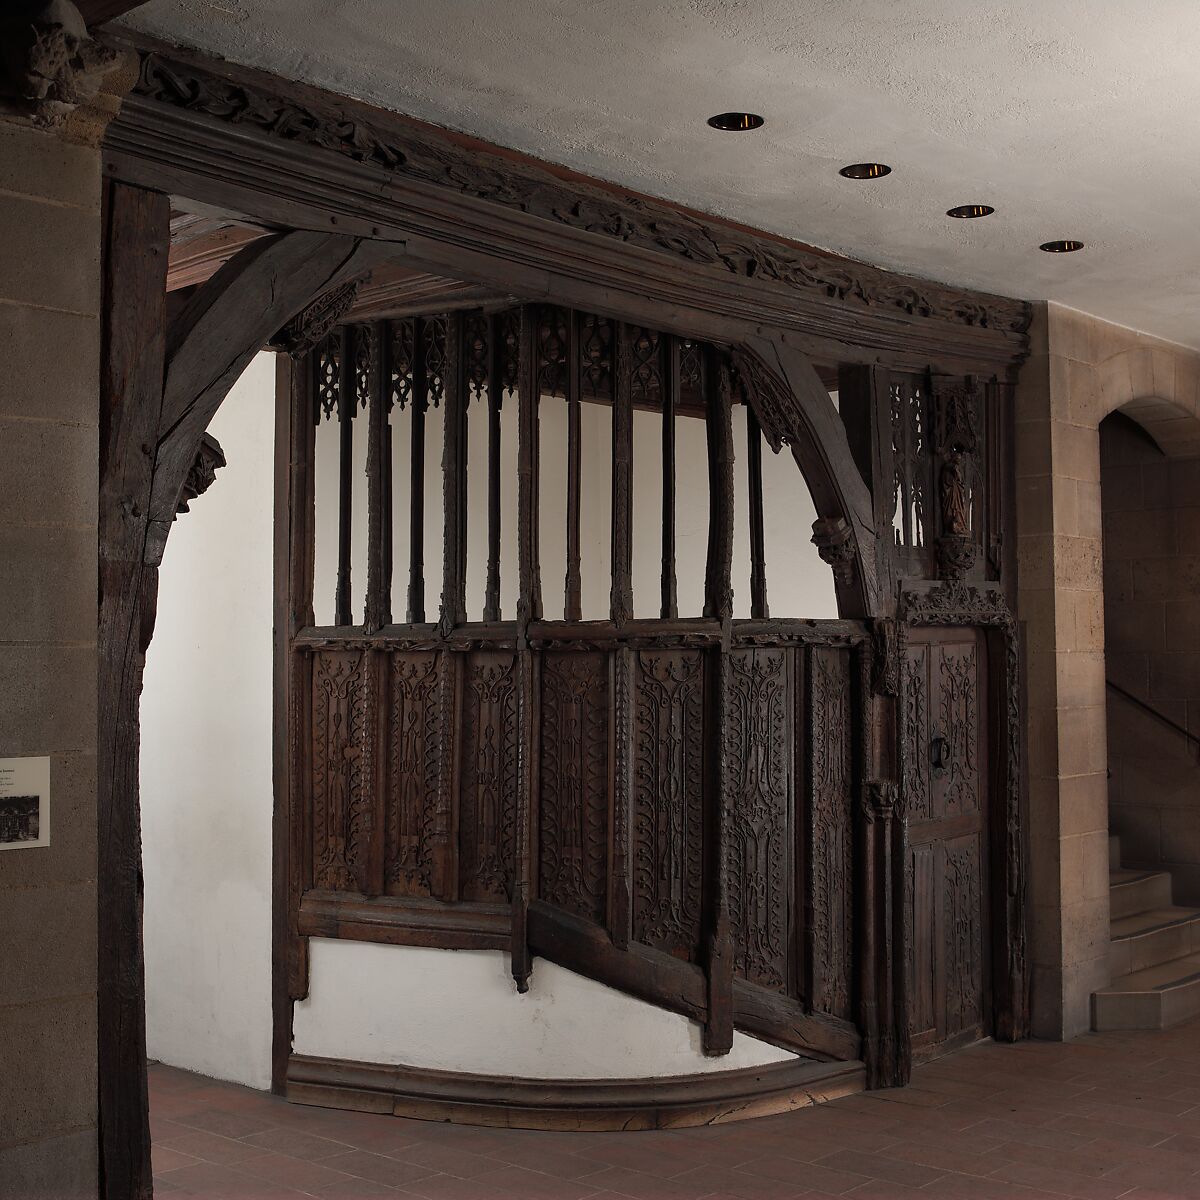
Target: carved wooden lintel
(49, 65)
(308, 327)
(834, 541)
(210, 458)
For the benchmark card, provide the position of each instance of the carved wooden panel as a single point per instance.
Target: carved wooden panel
(831, 837)
(668, 799)
(412, 775)
(343, 783)
(758, 794)
(944, 743)
(573, 813)
(488, 773)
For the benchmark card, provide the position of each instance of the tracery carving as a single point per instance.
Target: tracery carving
(573, 829)
(489, 776)
(420, 156)
(413, 735)
(756, 794)
(316, 320)
(668, 859)
(49, 65)
(343, 784)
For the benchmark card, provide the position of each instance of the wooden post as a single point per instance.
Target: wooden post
(347, 403)
(670, 397)
(495, 389)
(454, 480)
(758, 553)
(131, 396)
(375, 611)
(572, 601)
(621, 599)
(416, 495)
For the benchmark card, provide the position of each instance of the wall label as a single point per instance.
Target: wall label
(24, 803)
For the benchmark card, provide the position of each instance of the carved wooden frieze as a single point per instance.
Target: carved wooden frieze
(344, 700)
(831, 834)
(573, 812)
(488, 768)
(668, 783)
(757, 794)
(412, 775)
(421, 156)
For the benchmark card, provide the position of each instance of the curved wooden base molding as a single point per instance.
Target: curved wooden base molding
(575, 1104)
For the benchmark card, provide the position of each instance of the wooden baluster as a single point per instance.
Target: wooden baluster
(670, 395)
(416, 503)
(718, 1028)
(528, 609)
(385, 474)
(346, 406)
(495, 390)
(621, 599)
(454, 480)
(573, 602)
(758, 555)
(376, 602)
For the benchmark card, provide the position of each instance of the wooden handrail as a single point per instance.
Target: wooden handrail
(1154, 712)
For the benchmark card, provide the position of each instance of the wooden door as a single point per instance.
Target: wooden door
(945, 698)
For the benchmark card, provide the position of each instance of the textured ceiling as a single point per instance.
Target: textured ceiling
(1074, 118)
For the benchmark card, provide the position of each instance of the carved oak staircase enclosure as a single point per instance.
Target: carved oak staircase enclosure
(1154, 952)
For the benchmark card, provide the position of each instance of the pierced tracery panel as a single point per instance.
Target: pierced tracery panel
(668, 824)
(758, 800)
(488, 771)
(412, 782)
(573, 826)
(832, 833)
(343, 783)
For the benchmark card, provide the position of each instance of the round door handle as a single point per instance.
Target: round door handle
(939, 753)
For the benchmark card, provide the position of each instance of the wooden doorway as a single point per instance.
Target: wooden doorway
(947, 852)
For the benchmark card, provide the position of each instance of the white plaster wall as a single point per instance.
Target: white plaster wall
(206, 763)
(395, 1004)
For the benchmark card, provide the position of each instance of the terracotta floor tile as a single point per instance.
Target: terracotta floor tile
(453, 1187)
(377, 1167)
(523, 1182)
(225, 1123)
(213, 1148)
(879, 1166)
(299, 1143)
(804, 1174)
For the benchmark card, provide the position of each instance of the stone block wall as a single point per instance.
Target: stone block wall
(50, 347)
(1152, 635)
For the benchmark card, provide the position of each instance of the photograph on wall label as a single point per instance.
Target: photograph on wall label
(24, 803)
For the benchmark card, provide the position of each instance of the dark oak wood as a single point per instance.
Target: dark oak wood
(572, 600)
(666, 1102)
(416, 480)
(621, 598)
(669, 607)
(758, 550)
(346, 412)
(495, 400)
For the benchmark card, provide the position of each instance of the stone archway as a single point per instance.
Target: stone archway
(1081, 370)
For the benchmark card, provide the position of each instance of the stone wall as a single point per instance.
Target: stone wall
(1152, 640)
(50, 347)
(1080, 370)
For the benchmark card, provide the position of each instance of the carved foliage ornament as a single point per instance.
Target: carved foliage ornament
(49, 65)
(834, 541)
(424, 158)
(315, 321)
(203, 471)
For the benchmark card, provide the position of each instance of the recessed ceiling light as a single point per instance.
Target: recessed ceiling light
(967, 211)
(1062, 246)
(736, 122)
(866, 171)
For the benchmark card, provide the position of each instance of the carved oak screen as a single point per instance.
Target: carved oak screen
(667, 805)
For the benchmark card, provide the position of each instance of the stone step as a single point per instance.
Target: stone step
(1137, 891)
(1150, 938)
(1153, 998)
(1114, 852)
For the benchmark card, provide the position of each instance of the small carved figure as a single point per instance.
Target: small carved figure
(956, 517)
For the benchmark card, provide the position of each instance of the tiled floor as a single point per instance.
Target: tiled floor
(1107, 1116)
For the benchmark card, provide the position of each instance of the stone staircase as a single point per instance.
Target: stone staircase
(1154, 952)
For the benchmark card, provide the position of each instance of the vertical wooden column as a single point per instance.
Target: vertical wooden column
(385, 451)
(669, 608)
(495, 394)
(572, 601)
(528, 609)
(454, 482)
(416, 495)
(758, 549)
(375, 614)
(718, 1029)
(346, 406)
(621, 597)
(131, 394)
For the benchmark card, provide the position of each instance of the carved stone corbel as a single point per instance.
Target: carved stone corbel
(49, 65)
(210, 458)
(834, 541)
(310, 325)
